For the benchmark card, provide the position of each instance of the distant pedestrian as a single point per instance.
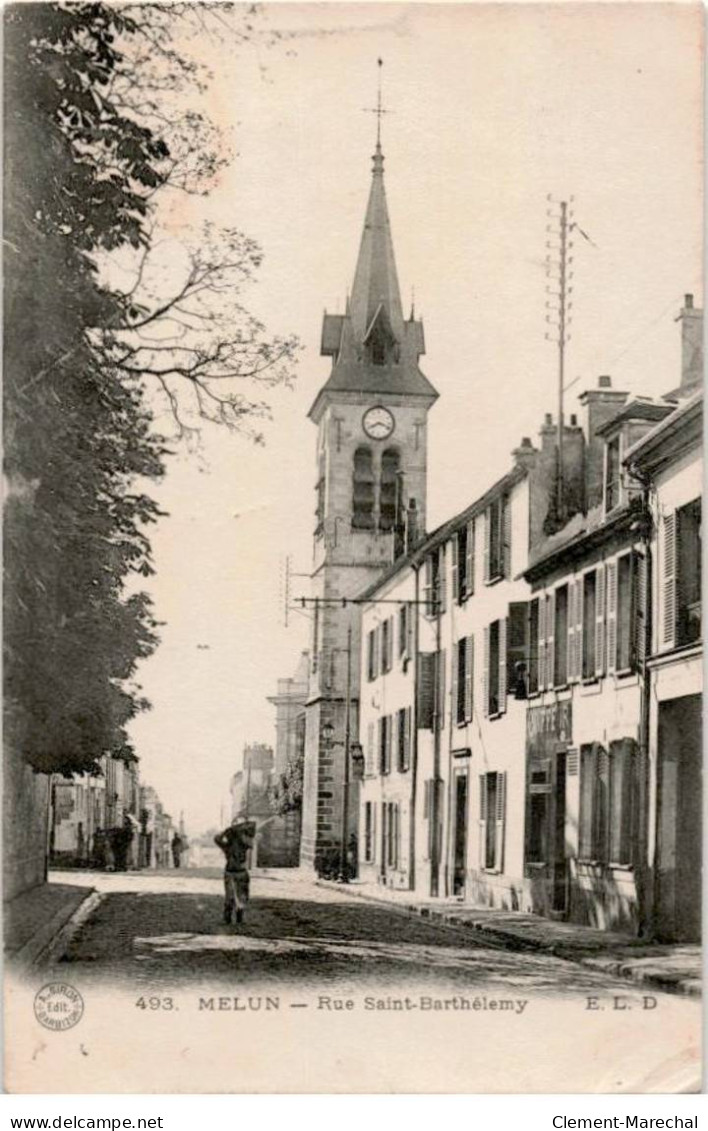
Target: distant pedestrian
(177, 847)
(236, 842)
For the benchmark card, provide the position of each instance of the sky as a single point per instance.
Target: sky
(490, 108)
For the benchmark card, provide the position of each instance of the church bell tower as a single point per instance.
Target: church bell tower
(371, 465)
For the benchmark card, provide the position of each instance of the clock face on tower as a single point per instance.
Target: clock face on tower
(378, 422)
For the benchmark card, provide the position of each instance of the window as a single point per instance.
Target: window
(372, 658)
(517, 649)
(625, 614)
(403, 614)
(369, 765)
(435, 582)
(608, 791)
(533, 684)
(681, 582)
(320, 489)
(463, 680)
(612, 474)
(560, 633)
(403, 737)
(589, 622)
(426, 689)
(497, 547)
(492, 797)
(539, 812)
(389, 500)
(385, 744)
(463, 563)
(363, 490)
(495, 668)
(369, 831)
(387, 645)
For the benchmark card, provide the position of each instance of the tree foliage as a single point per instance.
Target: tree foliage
(86, 154)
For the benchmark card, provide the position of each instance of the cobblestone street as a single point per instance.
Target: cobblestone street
(161, 929)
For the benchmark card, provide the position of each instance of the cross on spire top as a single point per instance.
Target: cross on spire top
(378, 110)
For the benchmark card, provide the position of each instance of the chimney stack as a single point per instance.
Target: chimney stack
(525, 454)
(691, 320)
(599, 406)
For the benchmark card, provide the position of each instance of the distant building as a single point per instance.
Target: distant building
(250, 787)
(284, 830)
(289, 702)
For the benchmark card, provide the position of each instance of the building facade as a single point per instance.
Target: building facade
(371, 466)
(668, 461)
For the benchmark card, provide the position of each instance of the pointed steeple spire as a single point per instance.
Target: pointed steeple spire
(375, 288)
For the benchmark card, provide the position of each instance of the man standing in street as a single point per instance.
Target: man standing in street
(176, 850)
(236, 843)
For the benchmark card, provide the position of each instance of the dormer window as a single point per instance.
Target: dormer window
(378, 353)
(613, 477)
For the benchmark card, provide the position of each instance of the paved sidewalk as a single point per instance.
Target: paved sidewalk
(673, 968)
(34, 919)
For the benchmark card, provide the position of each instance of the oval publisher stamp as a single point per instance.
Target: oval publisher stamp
(58, 1006)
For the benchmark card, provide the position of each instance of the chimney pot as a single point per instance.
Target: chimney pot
(573, 420)
(548, 419)
(526, 442)
(604, 382)
(688, 302)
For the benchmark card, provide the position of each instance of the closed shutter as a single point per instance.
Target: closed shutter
(469, 559)
(380, 723)
(391, 630)
(426, 690)
(502, 665)
(485, 674)
(570, 643)
(500, 820)
(482, 820)
(487, 541)
(469, 677)
(377, 650)
(579, 599)
(406, 738)
(370, 749)
(542, 667)
(600, 588)
(442, 579)
(506, 535)
(374, 809)
(639, 609)
(389, 737)
(603, 806)
(611, 582)
(455, 568)
(550, 639)
(454, 677)
(442, 662)
(668, 583)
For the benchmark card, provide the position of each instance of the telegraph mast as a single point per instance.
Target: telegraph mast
(559, 303)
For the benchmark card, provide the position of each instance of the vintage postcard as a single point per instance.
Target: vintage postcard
(353, 451)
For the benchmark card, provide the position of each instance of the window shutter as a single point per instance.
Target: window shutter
(668, 588)
(502, 665)
(482, 818)
(469, 559)
(370, 748)
(391, 630)
(411, 612)
(487, 541)
(455, 568)
(639, 602)
(579, 598)
(500, 815)
(600, 621)
(442, 578)
(426, 690)
(441, 665)
(469, 677)
(389, 736)
(550, 640)
(506, 534)
(542, 681)
(377, 636)
(428, 586)
(407, 737)
(485, 674)
(570, 642)
(454, 677)
(602, 827)
(611, 582)
(380, 742)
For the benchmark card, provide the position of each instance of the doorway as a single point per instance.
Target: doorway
(678, 848)
(459, 870)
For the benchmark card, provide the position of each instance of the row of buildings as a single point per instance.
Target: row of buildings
(111, 820)
(506, 710)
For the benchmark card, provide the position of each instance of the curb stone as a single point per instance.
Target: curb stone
(676, 983)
